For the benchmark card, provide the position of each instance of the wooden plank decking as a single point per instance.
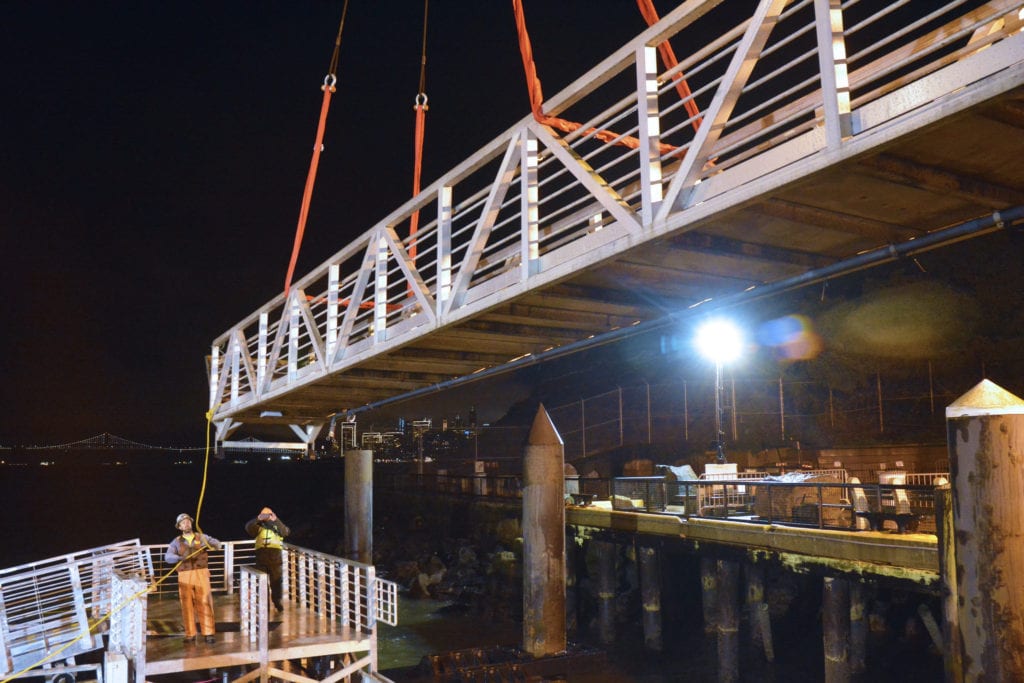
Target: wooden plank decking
(295, 633)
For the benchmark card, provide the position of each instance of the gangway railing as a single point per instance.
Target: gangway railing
(56, 609)
(774, 89)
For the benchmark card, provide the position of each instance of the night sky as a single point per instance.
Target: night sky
(153, 161)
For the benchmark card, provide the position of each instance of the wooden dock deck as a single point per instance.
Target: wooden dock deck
(295, 633)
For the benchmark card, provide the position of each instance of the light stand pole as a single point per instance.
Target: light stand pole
(721, 342)
(719, 434)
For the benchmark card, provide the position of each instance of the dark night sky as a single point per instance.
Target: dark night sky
(153, 160)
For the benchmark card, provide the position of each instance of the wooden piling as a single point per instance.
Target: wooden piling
(572, 561)
(709, 593)
(985, 436)
(605, 552)
(952, 651)
(754, 574)
(650, 594)
(544, 540)
(835, 618)
(728, 621)
(359, 505)
(858, 629)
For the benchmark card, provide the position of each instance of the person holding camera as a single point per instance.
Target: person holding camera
(269, 532)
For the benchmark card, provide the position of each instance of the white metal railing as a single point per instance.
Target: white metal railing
(58, 607)
(781, 84)
(337, 588)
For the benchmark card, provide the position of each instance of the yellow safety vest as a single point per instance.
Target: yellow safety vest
(268, 538)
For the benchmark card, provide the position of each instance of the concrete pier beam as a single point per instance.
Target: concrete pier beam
(985, 436)
(544, 539)
(359, 506)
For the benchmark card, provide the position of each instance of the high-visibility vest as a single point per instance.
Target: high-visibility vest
(268, 538)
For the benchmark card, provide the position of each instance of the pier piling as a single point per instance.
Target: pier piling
(985, 435)
(650, 592)
(728, 621)
(835, 618)
(544, 540)
(359, 506)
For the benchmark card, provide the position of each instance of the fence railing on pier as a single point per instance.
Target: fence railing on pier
(905, 501)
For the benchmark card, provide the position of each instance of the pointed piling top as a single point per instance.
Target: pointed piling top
(543, 432)
(986, 398)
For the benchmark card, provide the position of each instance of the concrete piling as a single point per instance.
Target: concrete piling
(985, 436)
(544, 540)
(650, 595)
(359, 505)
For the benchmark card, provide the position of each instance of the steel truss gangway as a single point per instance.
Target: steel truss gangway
(831, 136)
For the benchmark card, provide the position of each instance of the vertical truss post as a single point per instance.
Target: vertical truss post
(333, 288)
(651, 192)
(835, 82)
(237, 344)
(529, 194)
(293, 335)
(444, 246)
(380, 290)
(261, 354)
(214, 374)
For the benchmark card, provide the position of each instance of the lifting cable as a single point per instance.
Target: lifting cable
(537, 96)
(330, 80)
(421, 119)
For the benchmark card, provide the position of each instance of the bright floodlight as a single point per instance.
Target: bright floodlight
(719, 341)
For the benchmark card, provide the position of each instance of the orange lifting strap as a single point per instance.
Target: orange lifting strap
(537, 95)
(328, 87)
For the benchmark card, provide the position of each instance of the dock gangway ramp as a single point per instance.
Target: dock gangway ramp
(829, 137)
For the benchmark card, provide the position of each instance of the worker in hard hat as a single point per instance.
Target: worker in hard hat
(269, 532)
(190, 552)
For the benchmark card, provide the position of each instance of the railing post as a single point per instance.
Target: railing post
(333, 291)
(214, 374)
(444, 247)
(529, 207)
(649, 122)
(380, 290)
(293, 335)
(835, 82)
(261, 354)
(229, 568)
